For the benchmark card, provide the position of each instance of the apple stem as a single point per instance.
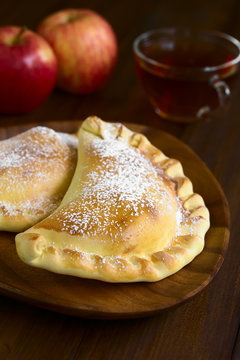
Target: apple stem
(73, 16)
(17, 39)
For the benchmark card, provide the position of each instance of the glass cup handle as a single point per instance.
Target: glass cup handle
(224, 96)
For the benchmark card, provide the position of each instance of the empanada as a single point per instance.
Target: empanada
(36, 168)
(129, 214)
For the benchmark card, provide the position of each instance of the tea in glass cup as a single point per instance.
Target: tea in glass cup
(187, 75)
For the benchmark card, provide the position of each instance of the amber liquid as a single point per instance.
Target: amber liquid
(180, 94)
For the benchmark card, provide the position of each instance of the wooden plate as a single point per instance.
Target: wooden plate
(95, 299)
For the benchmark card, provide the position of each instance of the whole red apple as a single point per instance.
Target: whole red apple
(85, 46)
(28, 70)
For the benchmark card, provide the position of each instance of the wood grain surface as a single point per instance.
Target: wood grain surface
(96, 299)
(203, 328)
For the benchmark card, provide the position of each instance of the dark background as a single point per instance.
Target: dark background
(206, 327)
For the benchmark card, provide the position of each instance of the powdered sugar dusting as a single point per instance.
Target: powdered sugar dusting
(70, 140)
(123, 186)
(34, 144)
(29, 158)
(31, 208)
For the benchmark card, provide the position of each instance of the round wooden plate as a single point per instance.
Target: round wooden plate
(96, 299)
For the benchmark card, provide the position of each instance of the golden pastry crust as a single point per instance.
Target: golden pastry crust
(129, 215)
(36, 168)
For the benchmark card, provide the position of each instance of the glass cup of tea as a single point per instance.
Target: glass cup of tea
(187, 75)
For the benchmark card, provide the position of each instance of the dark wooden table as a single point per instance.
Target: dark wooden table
(205, 327)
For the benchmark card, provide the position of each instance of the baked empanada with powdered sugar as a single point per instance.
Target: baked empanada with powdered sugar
(36, 168)
(129, 215)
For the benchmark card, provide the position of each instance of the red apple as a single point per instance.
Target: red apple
(85, 46)
(28, 70)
